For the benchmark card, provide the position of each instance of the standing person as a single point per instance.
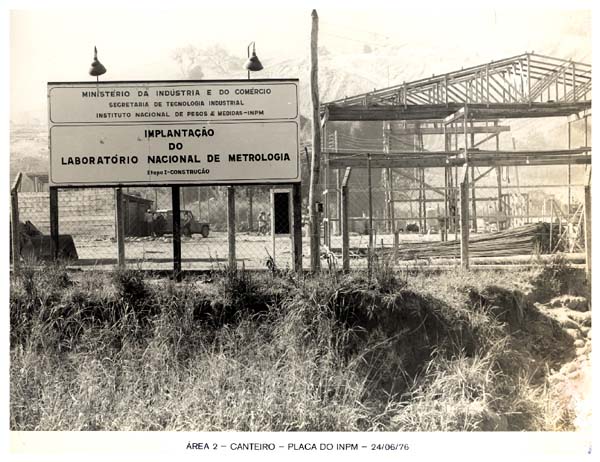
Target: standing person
(572, 236)
(262, 223)
(186, 228)
(149, 220)
(158, 224)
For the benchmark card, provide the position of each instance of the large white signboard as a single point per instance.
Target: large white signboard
(181, 153)
(168, 102)
(174, 132)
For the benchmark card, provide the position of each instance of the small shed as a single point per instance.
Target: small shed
(134, 211)
(34, 182)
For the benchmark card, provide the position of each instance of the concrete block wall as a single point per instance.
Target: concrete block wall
(81, 212)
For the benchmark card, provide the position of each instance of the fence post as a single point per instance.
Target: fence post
(16, 235)
(231, 226)
(297, 225)
(551, 224)
(54, 221)
(588, 232)
(344, 222)
(370, 252)
(326, 193)
(473, 200)
(249, 194)
(120, 228)
(176, 206)
(338, 200)
(464, 222)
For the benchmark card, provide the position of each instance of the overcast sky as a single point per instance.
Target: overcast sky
(136, 44)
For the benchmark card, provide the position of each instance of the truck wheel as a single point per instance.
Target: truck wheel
(204, 231)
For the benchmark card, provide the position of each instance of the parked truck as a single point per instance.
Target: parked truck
(163, 223)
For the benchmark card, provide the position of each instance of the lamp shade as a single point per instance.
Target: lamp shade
(97, 67)
(253, 63)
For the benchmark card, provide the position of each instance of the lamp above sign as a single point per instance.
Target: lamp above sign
(208, 132)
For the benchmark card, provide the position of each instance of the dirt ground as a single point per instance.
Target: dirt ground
(198, 253)
(253, 252)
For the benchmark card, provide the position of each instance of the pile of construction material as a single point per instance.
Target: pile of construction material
(525, 240)
(34, 245)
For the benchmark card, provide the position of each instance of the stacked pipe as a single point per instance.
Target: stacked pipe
(524, 240)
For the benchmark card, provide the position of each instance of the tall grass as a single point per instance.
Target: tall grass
(276, 352)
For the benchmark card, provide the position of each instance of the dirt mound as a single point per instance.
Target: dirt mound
(414, 322)
(403, 328)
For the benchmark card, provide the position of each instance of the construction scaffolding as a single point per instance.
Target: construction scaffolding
(457, 113)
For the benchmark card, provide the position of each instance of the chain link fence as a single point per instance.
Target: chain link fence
(406, 219)
(87, 217)
(379, 215)
(401, 225)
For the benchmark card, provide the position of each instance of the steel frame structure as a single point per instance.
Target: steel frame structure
(523, 79)
(460, 105)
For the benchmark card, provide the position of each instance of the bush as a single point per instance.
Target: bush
(557, 277)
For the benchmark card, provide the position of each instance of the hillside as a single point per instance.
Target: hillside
(28, 148)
